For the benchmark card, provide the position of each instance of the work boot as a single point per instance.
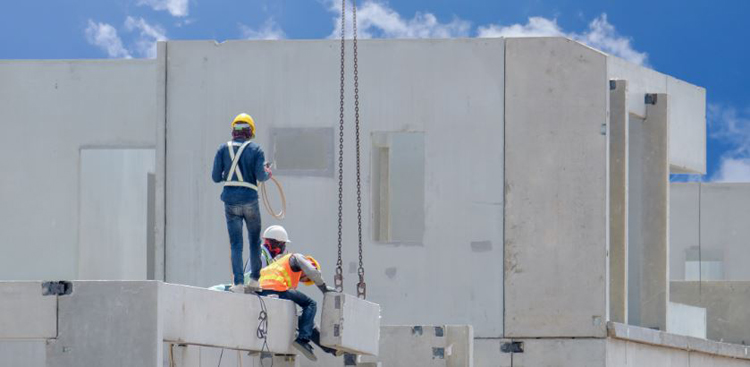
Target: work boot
(237, 288)
(304, 347)
(252, 285)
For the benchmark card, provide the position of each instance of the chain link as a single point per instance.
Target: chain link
(361, 286)
(338, 279)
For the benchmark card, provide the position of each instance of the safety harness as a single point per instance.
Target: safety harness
(235, 169)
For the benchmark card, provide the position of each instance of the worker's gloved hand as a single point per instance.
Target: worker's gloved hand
(325, 289)
(268, 170)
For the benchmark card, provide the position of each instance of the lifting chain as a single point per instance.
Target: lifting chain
(339, 277)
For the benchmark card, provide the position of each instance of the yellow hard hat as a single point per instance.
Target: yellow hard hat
(305, 280)
(243, 117)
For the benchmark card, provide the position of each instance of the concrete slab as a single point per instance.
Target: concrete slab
(350, 324)
(25, 313)
(555, 189)
(201, 316)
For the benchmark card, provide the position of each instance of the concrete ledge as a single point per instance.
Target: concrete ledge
(199, 316)
(687, 343)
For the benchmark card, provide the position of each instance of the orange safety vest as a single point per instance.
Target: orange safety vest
(278, 276)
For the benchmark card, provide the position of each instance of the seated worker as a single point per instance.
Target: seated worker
(281, 278)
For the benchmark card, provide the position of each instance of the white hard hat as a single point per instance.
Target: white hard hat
(277, 233)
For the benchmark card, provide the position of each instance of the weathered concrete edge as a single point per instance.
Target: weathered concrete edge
(662, 339)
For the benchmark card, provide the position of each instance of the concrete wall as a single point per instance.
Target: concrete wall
(50, 110)
(686, 320)
(687, 116)
(719, 213)
(726, 305)
(555, 189)
(452, 90)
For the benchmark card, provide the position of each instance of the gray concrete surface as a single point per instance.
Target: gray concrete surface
(618, 133)
(25, 313)
(51, 110)
(726, 304)
(350, 324)
(405, 85)
(711, 217)
(425, 345)
(182, 102)
(126, 323)
(648, 239)
(687, 320)
(555, 189)
(687, 137)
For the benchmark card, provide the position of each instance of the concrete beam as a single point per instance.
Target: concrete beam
(618, 201)
(648, 237)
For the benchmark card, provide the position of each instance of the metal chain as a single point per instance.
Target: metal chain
(361, 286)
(338, 279)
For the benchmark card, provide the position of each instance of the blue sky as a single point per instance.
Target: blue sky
(704, 43)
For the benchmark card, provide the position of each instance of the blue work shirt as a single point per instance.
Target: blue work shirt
(250, 165)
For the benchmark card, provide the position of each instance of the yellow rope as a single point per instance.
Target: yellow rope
(267, 203)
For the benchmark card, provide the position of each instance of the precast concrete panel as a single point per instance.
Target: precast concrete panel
(687, 152)
(648, 200)
(187, 311)
(452, 90)
(107, 324)
(618, 201)
(50, 110)
(25, 313)
(687, 127)
(555, 189)
(709, 224)
(726, 305)
(555, 352)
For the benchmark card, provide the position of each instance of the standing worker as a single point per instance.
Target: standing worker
(282, 277)
(240, 164)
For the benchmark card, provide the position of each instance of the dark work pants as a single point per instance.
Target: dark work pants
(306, 320)
(248, 213)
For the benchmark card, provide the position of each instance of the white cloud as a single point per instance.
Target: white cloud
(733, 170)
(732, 126)
(270, 30)
(145, 44)
(600, 34)
(535, 27)
(105, 36)
(376, 19)
(178, 8)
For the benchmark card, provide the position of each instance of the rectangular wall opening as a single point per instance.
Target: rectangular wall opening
(115, 224)
(398, 179)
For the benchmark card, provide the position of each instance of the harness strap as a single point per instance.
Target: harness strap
(235, 170)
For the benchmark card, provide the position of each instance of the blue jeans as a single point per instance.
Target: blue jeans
(250, 214)
(306, 320)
